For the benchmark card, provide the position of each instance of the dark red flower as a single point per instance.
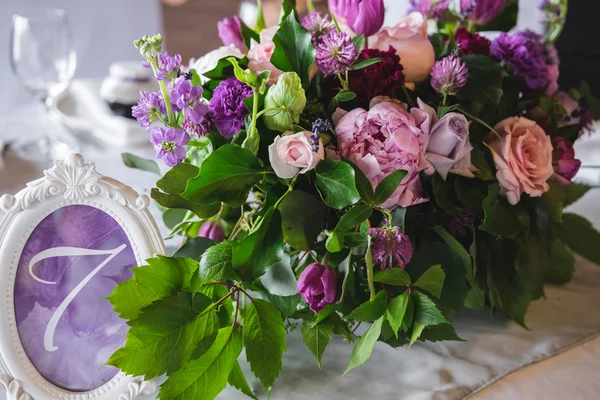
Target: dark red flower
(472, 43)
(381, 79)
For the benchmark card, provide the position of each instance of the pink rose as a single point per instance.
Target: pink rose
(523, 158)
(564, 162)
(383, 140)
(259, 56)
(449, 148)
(410, 40)
(553, 75)
(293, 153)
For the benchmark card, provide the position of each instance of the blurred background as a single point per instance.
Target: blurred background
(103, 31)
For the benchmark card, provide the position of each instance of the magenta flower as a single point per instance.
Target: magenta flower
(212, 230)
(390, 248)
(189, 99)
(230, 32)
(227, 106)
(430, 8)
(448, 75)
(147, 109)
(481, 12)
(197, 130)
(471, 43)
(318, 286)
(318, 25)
(168, 66)
(339, 7)
(365, 16)
(564, 162)
(336, 53)
(169, 144)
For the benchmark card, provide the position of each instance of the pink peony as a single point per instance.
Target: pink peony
(383, 140)
(564, 162)
(410, 40)
(259, 56)
(553, 75)
(295, 153)
(523, 158)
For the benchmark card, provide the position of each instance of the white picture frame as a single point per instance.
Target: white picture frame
(69, 182)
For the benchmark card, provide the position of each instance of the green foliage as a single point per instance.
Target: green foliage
(205, 377)
(363, 185)
(579, 234)
(133, 161)
(506, 19)
(501, 218)
(574, 192)
(284, 103)
(294, 51)
(370, 310)
(264, 339)
(353, 217)
(561, 263)
(363, 349)
(238, 381)
(394, 276)
(335, 182)
(426, 314)
(388, 186)
(216, 264)
(279, 279)
(302, 218)
(432, 280)
(396, 311)
(484, 84)
(316, 336)
(162, 277)
(162, 341)
(194, 248)
(366, 63)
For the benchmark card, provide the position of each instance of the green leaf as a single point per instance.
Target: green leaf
(370, 310)
(365, 189)
(552, 201)
(196, 80)
(432, 280)
(293, 49)
(354, 217)
(284, 103)
(215, 264)
(501, 218)
(445, 110)
(279, 279)
(366, 63)
(394, 277)
(133, 161)
(225, 176)
(262, 248)
(396, 311)
(345, 96)
(162, 277)
(505, 20)
(355, 239)
(347, 269)
(426, 312)
(363, 349)
(334, 242)
(176, 179)
(579, 234)
(358, 42)
(238, 380)
(206, 377)
(388, 186)
(177, 201)
(574, 192)
(248, 34)
(416, 333)
(335, 182)
(484, 84)
(161, 340)
(316, 337)
(173, 217)
(439, 333)
(264, 339)
(445, 195)
(562, 264)
(302, 217)
(195, 248)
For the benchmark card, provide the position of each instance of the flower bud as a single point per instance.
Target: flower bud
(212, 230)
(365, 16)
(318, 285)
(284, 103)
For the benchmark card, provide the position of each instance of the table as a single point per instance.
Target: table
(558, 357)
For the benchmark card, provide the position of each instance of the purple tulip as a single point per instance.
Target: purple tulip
(338, 7)
(317, 285)
(230, 32)
(365, 16)
(481, 11)
(212, 230)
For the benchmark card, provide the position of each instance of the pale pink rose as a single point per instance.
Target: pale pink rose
(259, 56)
(383, 140)
(523, 158)
(553, 75)
(410, 40)
(293, 153)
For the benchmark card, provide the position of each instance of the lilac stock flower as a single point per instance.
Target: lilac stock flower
(365, 17)
(391, 247)
(318, 285)
(196, 130)
(147, 108)
(524, 53)
(189, 99)
(212, 230)
(230, 32)
(481, 12)
(227, 106)
(430, 8)
(168, 66)
(336, 53)
(169, 144)
(318, 25)
(448, 75)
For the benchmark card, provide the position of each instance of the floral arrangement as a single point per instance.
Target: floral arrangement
(330, 172)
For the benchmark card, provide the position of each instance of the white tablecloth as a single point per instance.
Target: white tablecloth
(558, 357)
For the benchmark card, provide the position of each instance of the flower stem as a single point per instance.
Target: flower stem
(165, 95)
(444, 100)
(366, 42)
(369, 262)
(290, 189)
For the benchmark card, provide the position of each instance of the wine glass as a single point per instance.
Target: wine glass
(43, 59)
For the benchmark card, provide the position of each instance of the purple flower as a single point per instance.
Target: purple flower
(391, 247)
(230, 32)
(212, 230)
(196, 130)
(430, 8)
(148, 107)
(189, 99)
(321, 125)
(318, 285)
(336, 53)
(168, 66)
(318, 25)
(227, 106)
(525, 55)
(365, 17)
(448, 75)
(169, 144)
(481, 12)
(460, 226)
